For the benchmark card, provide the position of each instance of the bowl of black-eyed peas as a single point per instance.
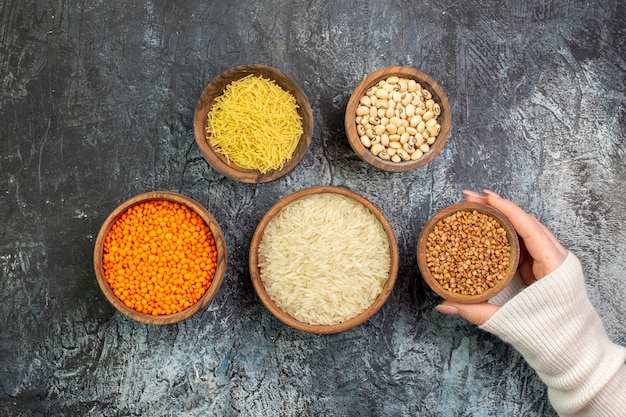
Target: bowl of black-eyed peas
(397, 119)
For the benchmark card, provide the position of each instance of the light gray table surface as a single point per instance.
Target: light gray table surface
(96, 106)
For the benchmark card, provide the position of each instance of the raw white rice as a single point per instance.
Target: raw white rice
(324, 258)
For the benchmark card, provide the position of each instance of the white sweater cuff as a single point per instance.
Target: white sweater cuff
(554, 326)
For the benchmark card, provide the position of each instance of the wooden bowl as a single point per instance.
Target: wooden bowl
(444, 119)
(288, 319)
(513, 256)
(217, 278)
(216, 88)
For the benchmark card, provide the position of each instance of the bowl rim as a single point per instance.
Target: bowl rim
(220, 269)
(350, 116)
(204, 105)
(468, 206)
(278, 312)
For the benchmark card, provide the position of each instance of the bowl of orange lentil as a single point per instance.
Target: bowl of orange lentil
(160, 257)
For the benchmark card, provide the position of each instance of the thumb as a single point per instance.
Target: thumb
(474, 313)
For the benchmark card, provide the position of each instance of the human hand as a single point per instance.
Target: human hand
(540, 254)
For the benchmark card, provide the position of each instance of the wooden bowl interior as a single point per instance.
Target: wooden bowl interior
(217, 278)
(216, 88)
(445, 118)
(286, 318)
(491, 292)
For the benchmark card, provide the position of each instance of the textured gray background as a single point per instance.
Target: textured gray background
(96, 106)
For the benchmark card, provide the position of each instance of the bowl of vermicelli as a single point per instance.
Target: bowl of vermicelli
(253, 123)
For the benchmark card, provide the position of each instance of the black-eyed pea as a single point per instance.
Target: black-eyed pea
(415, 120)
(394, 138)
(384, 156)
(384, 140)
(366, 141)
(373, 100)
(431, 123)
(416, 155)
(408, 148)
(362, 110)
(404, 122)
(404, 84)
(428, 115)
(392, 128)
(371, 91)
(384, 121)
(412, 131)
(412, 86)
(391, 151)
(395, 145)
(407, 99)
(382, 103)
(396, 96)
(360, 130)
(404, 155)
(382, 93)
(373, 111)
(401, 129)
(410, 110)
(404, 138)
(432, 131)
(376, 149)
(396, 158)
(391, 111)
(430, 104)
(426, 94)
(393, 79)
(437, 109)
(424, 147)
(379, 130)
(388, 87)
(420, 111)
(382, 112)
(365, 120)
(375, 140)
(375, 120)
(421, 126)
(370, 133)
(431, 140)
(366, 101)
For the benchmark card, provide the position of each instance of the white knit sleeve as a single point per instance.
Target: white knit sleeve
(556, 329)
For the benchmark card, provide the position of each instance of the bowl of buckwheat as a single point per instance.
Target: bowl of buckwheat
(468, 252)
(397, 119)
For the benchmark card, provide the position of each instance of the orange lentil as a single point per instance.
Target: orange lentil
(151, 257)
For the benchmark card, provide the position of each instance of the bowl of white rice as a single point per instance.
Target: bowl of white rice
(323, 259)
